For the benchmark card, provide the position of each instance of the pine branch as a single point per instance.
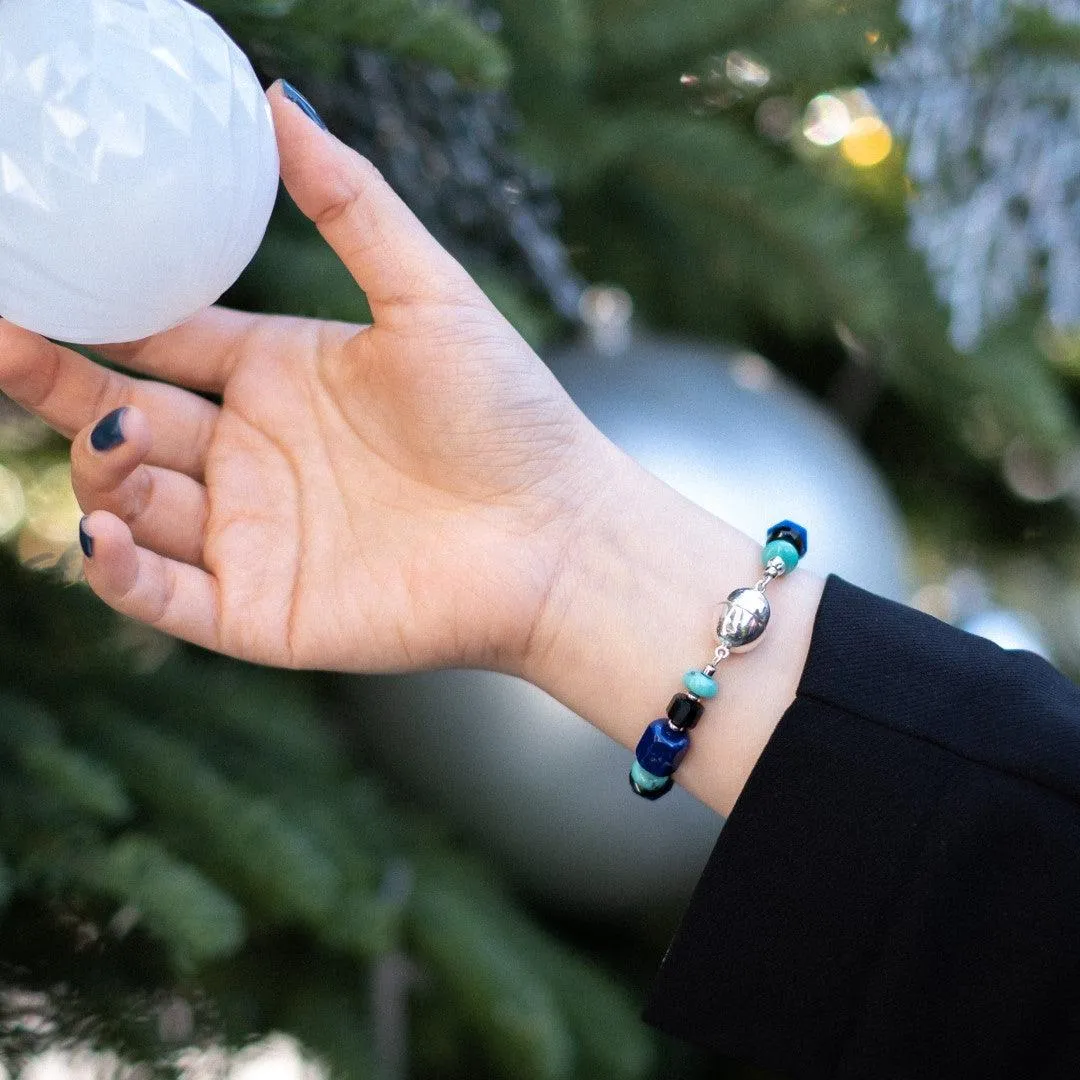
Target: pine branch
(1029, 395)
(324, 1008)
(317, 285)
(78, 780)
(467, 932)
(259, 719)
(248, 815)
(276, 868)
(438, 33)
(7, 885)
(756, 231)
(57, 852)
(31, 737)
(551, 44)
(1036, 31)
(647, 37)
(174, 901)
(809, 49)
(508, 1006)
(610, 1040)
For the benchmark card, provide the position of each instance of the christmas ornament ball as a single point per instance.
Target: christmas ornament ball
(138, 166)
(534, 783)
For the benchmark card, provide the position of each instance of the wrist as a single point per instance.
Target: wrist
(633, 606)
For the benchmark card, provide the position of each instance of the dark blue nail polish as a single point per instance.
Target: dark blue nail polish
(302, 103)
(86, 541)
(107, 434)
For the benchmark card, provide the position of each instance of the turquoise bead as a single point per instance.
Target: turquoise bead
(699, 684)
(645, 779)
(780, 549)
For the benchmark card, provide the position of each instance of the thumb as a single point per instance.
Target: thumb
(390, 255)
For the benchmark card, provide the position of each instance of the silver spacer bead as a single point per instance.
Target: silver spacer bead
(774, 568)
(709, 670)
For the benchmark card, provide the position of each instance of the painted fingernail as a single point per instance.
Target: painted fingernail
(86, 541)
(107, 432)
(302, 103)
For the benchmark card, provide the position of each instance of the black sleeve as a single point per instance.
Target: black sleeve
(897, 891)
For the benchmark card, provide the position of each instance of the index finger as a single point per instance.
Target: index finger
(200, 353)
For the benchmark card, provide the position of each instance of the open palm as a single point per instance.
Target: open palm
(363, 498)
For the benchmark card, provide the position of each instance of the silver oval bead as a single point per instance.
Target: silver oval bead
(743, 619)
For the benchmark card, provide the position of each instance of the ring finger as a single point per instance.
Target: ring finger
(165, 510)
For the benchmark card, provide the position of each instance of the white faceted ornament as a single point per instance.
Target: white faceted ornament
(138, 166)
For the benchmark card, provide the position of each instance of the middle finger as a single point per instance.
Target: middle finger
(68, 392)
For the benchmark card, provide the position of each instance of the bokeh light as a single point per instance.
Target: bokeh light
(12, 503)
(867, 142)
(742, 70)
(776, 118)
(19, 430)
(48, 539)
(857, 102)
(1032, 474)
(848, 119)
(275, 1057)
(826, 120)
(52, 512)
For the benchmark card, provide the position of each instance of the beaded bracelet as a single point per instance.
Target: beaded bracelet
(743, 619)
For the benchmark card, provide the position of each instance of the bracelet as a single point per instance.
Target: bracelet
(743, 619)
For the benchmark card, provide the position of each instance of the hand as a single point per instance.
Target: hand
(412, 494)
(386, 497)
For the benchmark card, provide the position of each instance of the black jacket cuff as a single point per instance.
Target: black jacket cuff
(896, 892)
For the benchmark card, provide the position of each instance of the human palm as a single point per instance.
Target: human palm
(362, 498)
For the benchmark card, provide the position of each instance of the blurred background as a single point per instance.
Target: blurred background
(847, 232)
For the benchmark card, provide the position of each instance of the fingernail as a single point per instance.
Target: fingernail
(302, 102)
(86, 541)
(107, 433)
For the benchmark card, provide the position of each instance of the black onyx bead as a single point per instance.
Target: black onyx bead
(656, 793)
(792, 532)
(684, 711)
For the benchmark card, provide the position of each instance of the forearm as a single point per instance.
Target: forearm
(634, 606)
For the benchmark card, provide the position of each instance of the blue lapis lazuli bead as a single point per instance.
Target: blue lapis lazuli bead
(661, 748)
(699, 684)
